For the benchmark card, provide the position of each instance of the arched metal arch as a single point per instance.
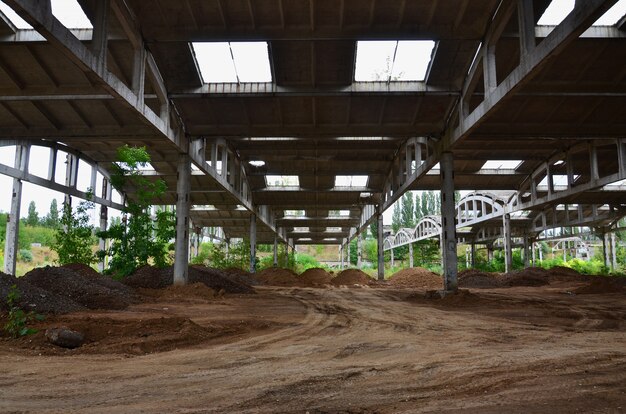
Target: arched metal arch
(426, 228)
(478, 207)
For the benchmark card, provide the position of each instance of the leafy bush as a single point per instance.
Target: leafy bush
(18, 319)
(238, 255)
(74, 239)
(26, 255)
(204, 255)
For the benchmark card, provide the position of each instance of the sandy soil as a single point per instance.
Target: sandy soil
(514, 350)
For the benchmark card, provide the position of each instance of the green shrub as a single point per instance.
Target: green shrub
(25, 256)
(18, 319)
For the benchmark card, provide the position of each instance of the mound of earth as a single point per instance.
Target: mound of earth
(531, 276)
(315, 277)
(416, 277)
(88, 272)
(194, 290)
(34, 298)
(154, 278)
(91, 291)
(277, 276)
(603, 284)
(472, 278)
(565, 274)
(241, 276)
(351, 277)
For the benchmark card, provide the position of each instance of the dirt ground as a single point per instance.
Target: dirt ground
(528, 349)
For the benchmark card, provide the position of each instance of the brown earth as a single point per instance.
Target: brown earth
(315, 277)
(519, 349)
(417, 278)
(351, 277)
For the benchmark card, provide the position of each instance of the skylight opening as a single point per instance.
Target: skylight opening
(393, 60)
(351, 180)
(556, 12)
(501, 164)
(613, 15)
(305, 239)
(17, 21)
(256, 163)
(293, 213)
(70, 14)
(282, 181)
(339, 213)
(333, 229)
(233, 62)
(330, 239)
(300, 229)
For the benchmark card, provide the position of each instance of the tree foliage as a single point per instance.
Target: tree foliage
(139, 237)
(32, 219)
(74, 239)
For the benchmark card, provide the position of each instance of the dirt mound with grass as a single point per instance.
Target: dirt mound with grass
(315, 277)
(416, 278)
(277, 276)
(154, 278)
(472, 278)
(603, 284)
(350, 277)
(89, 291)
(34, 298)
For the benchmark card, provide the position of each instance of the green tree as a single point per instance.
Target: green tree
(52, 219)
(32, 219)
(396, 218)
(139, 237)
(74, 239)
(418, 207)
(374, 228)
(407, 211)
(424, 205)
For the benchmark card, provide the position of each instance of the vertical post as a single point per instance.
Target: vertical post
(104, 217)
(532, 248)
(348, 253)
(526, 252)
(392, 258)
(410, 254)
(605, 250)
(526, 23)
(613, 252)
(359, 251)
(489, 253)
(473, 253)
(13, 220)
(252, 243)
(198, 240)
(181, 253)
(275, 250)
(448, 225)
(381, 255)
(540, 254)
(139, 74)
(100, 26)
(227, 240)
(506, 234)
(467, 257)
(341, 256)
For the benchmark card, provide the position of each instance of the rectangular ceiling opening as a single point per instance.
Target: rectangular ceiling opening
(351, 180)
(339, 213)
(501, 164)
(17, 21)
(393, 60)
(300, 229)
(294, 213)
(282, 181)
(70, 14)
(558, 10)
(233, 62)
(333, 229)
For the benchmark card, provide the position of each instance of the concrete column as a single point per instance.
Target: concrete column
(252, 243)
(506, 235)
(605, 250)
(613, 252)
(181, 252)
(13, 219)
(448, 225)
(381, 255)
(198, 240)
(287, 254)
(341, 256)
(275, 250)
(348, 253)
(532, 248)
(540, 254)
(473, 253)
(227, 240)
(392, 258)
(104, 218)
(410, 254)
(526, 252)
(489, 253)
(359, 251)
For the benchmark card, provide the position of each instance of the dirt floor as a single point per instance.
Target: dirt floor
(554, 348)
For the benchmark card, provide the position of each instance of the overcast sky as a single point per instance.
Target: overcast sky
(371, 58)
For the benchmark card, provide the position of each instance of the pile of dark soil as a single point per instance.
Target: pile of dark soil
(531, 276)
(277, 276)
(240, 276)
(565, 274)
(416, 278)
(153, 278)
(175, 292)
(315, 277)
(351, 277)
(92, 292)
(34, 298)
(603, 284)
(472, 278)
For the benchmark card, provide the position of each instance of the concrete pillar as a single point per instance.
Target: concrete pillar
(473, 253)
(381, 255)
(410, 254)
(448, 225)
(181, 252)
(526, 252)
(613, 252)
(540, 254)
(532, 248)
(13, 219)
(252, 243)
(489, 253)
(605, 250)
(275, 250)
(467, 257)
(348, 253)
(104, 219)
(341, 256)
(227, 246)
(392, 258)
(198, 240)
(506, 235)
(359, 251)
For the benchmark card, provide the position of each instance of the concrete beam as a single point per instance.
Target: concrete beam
(181, 253)
(13, 220)
(448, 225)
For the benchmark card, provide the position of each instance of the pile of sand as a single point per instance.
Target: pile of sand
(351, 277)
(277, 276)
(315, 277)
(416, 278)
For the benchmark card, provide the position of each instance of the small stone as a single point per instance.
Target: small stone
(65, 337)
